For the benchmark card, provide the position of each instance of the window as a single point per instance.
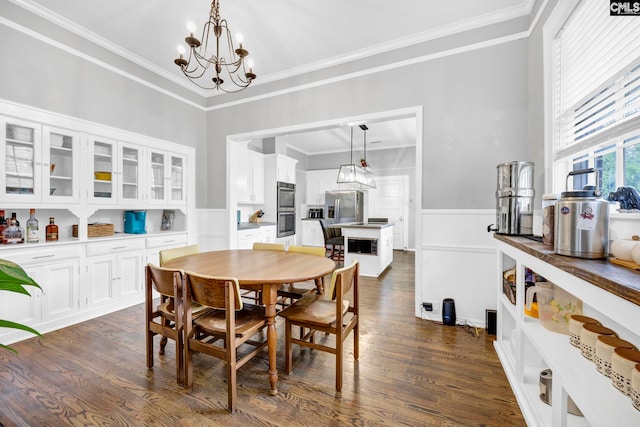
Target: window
(596, 96)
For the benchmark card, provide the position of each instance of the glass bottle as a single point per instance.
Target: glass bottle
(51, 230)
(3, 225)
(13, 233)
(14, 217)
(32, 227)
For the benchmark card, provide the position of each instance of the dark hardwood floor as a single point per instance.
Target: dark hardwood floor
(411, 372)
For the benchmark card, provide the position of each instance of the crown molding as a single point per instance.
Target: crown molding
(523, 9)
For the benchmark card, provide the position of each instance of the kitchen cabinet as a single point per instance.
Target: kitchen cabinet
(312, 233)
(372, 246)
(41, 163)
(58, 273)
(525, 348)
(281, 167)
(166, 179)
(114, 270)
(318, 182)
(157, 243)
(250, 176)
(261, 234)
(115, 173)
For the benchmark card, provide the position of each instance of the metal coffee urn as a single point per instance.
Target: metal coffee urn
(514, 199)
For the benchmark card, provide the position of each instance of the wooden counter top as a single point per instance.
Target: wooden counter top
(621, 281)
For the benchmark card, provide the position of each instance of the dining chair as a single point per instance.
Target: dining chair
(295, 291)
(333, 240)
(259, 246)
(169, 254)
(165, 319)
(165, 256)
(221, 332)
(334, 313)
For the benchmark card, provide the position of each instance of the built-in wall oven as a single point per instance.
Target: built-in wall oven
(286, 209)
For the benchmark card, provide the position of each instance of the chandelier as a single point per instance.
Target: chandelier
(207, 67)
(357, 174)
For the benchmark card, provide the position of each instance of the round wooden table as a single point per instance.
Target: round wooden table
(260, 270)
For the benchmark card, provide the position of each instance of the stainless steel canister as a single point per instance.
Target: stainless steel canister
(514, 198)
(582, 221)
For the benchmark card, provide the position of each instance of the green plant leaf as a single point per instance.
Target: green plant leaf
(8, 348)
(13, 287)
(11, 272)
(14, 325)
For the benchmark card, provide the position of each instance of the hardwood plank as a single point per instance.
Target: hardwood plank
(411, 372)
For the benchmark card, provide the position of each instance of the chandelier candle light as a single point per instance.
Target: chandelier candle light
(206, 66)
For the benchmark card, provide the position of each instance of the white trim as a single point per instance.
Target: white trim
(462, 212)
(465, 249)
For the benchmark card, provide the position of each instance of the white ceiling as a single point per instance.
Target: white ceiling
(284, 37)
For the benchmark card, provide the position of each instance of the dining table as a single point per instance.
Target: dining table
(260, 270)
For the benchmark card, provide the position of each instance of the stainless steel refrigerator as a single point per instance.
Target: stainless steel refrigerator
(344, 206)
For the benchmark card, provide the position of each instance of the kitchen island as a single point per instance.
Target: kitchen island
(369, 243)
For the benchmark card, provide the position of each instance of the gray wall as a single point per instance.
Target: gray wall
(37, 74)
(475, 116)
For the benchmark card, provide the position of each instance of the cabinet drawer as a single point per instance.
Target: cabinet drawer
(254, 233)
(115, 246)
(42, 255)
(165, 241)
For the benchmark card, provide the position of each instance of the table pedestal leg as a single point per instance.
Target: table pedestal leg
(270, 296)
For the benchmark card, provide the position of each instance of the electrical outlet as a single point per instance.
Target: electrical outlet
(431, 307)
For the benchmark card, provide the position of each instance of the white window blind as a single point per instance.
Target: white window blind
(597, 77)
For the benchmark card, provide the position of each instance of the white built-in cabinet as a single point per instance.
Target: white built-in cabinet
(525, 348)
(312, 233)
(250, 176)
(318, 182)
(285, 168)
(261, 234)
(53, 165)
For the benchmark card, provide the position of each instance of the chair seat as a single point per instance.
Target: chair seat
(167, 309)
(338, 240)
(297, 290)
(248, 321)
(313, 310)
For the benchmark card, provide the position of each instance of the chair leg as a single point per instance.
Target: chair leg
(179, 359)
(356, 341)
(338, 367)
(188, 368)
(149, 348)
(288, 359)
(231, 384)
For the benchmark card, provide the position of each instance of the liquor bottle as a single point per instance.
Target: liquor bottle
(13, 233)
(32, 227)
(13, 216)
(51, 230)
(3, 225)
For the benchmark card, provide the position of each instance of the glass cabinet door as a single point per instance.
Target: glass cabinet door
(130, 173)
(21, 168)
(158, 181)
(61, 161)
(177, 179)
(103, 152)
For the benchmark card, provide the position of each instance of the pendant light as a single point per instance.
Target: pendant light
(356, 174)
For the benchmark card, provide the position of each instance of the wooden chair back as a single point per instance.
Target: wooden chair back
(311, 250)
(165, 281)
(258, 246)
(343, 280)
(165, 319)
(169, 254)
(212, 291)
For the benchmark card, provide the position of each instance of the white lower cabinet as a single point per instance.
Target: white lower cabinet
(312, 233)
(56, 305)
(114, 271)
(525, 347)
(157, 243)
(262, 234)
